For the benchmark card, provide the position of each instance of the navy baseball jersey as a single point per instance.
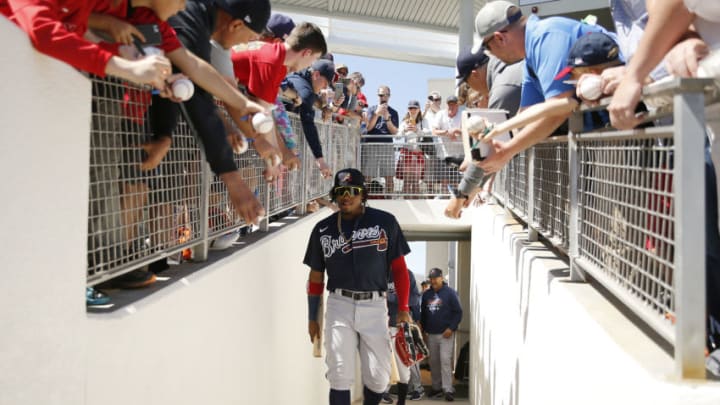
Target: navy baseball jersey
(358, 259)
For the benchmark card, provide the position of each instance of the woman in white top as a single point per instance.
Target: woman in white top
(411, 165)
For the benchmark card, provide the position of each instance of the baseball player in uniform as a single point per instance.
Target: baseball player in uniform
(359, 247)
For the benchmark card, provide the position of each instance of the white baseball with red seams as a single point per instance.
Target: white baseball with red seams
(590, 87)
(262, 123)
(183, 89)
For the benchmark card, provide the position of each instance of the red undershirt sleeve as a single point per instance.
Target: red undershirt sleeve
(402, 282)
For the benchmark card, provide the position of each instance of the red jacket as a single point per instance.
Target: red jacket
(56, 28)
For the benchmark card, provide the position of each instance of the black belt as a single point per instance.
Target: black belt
(360, 295)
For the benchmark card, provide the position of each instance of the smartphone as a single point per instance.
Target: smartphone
(339, 87)
(152, 34)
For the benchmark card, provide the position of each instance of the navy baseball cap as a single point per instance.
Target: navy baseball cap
(413, 103)
(467, 61)
(280, 25)
(451, 99)
(593, 48)
(349, 177)
(326, 68)
(254, 13)
(435, 272)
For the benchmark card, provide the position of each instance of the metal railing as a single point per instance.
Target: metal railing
(627, 208)
(409, 167)
(136, 217)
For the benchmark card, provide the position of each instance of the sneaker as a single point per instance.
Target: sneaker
(416, 395)
(95, 297)
(449, 396)
(135, 279)
(386, 398)
(435, 393)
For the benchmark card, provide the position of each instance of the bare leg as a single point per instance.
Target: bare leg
(156, 151)
(132, 201)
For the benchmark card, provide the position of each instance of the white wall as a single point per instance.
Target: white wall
(45, 121)
(544, 340)
(233, 333)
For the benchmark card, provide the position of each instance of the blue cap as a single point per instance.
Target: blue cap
(594, 48)
(326, 68)
(467, 61)
(280, 25)
(435, 272)
(254, 13)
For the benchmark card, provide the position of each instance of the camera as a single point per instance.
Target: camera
(476, 155)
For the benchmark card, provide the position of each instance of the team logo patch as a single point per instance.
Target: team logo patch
(361, 238)
(344, 177)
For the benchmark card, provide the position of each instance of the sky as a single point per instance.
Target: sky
(407, 81)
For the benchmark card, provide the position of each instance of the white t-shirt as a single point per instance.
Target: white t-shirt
(443, 121)
(707, 20)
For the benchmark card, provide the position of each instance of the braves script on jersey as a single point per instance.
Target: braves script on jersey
(359, 258)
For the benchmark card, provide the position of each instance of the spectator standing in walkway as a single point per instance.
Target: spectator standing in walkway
(411, 165)
(441, 314)
(378, 158)
(448, 128)
(359, 247)
(544, 44)
(308, 83)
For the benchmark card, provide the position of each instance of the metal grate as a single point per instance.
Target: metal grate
(551, 186)
(627, 216)
(136, 216)
(409, 168)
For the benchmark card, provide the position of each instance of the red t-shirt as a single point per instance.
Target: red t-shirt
(56, 28)
(261, 70)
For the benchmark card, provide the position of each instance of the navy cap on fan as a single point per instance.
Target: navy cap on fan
(254, 13)
(591, 49)
(326, 68)
(467, 61)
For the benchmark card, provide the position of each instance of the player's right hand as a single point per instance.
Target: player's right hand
(313, 330)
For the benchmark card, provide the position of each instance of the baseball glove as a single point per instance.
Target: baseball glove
(409, 344)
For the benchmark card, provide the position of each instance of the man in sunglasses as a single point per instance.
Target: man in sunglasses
(359, 247)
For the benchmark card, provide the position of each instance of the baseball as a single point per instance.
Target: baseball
(151, 50)
(183, 89)
(589, 87)
(476, 125)
(262, 123)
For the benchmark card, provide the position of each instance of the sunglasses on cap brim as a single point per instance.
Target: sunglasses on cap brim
(352, 191)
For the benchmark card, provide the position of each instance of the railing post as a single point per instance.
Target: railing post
(532, 231)
(576, 274)
(265, 222)
(200, 251)
(689, 277)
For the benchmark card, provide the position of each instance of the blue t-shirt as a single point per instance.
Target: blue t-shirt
(381, 127)
(440, 310)
(547, 45)
(360, 258)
